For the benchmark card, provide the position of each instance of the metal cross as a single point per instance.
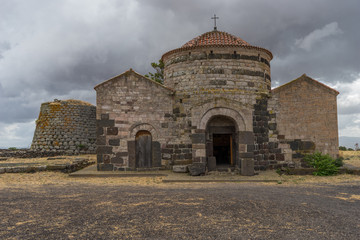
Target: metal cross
(215, 17)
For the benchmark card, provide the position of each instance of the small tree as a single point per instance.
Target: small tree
(158, 76)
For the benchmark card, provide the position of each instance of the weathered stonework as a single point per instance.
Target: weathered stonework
(215, 109)
(305, 112)
(65, 127)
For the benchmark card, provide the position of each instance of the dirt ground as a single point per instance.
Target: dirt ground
(148, 209)
(351, 157)
(52, 205)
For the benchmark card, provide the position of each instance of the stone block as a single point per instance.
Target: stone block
(105, 123)
(199, 159)
(131, 151)
(200, 152)
(307, 145)
(104, 150)
(180, 168)
(250, 148)
(114, 142)
(280, 157)
(295, 145)
(106, 158)
(198, 146)
(247, 167)
(272, 126)
(105, 116)
(99, 158)
(156, 154)
(246, 137)
(197, 169)
(105, 167)
(281, 137)
(122, 154)
(242, 147)
(198, 138)
(101, 140)
(246, 154)
(117, 159)
(211, 163)
(112, 131)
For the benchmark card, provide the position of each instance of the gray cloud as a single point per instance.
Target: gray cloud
(62, 49)
(308, 42)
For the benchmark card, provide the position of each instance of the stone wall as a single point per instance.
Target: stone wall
(267, 153)
(65, 127)
(126, 105)
(217, 81)
(306, 119)
(226, 68)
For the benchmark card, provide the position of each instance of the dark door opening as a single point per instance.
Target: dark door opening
(143, 149)
(222, 148)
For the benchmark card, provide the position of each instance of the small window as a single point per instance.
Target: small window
(211, 52)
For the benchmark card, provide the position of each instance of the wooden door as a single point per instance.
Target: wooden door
(143, 149)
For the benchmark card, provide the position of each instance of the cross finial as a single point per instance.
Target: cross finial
(215, 17)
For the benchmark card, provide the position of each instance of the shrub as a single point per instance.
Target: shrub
(12, 148)
(342, 148)
(339, 162)
(324, 164)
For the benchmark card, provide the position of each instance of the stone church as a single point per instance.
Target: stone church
(216, 109)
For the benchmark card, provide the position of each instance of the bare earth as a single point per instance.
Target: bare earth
(49, 205)
(351, 157)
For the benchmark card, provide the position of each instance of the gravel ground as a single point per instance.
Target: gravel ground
(82, 210)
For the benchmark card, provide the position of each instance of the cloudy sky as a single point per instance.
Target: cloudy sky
(63, 48)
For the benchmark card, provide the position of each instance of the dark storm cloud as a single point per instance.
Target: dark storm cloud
(62, 49)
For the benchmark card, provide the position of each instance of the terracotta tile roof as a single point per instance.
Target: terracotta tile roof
(216, 38)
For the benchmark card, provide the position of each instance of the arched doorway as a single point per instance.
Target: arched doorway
(221, 142)
(143, 149)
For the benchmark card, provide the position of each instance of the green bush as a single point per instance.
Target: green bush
(339, 162)
(12, 148)
(324, 164)
(342, 148)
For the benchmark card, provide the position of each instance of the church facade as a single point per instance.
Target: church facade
(215, 109)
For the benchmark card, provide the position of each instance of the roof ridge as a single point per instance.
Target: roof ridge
(304, 77)
(136, 73)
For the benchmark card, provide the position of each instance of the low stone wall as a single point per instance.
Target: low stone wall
(77, 164)
(28, 153)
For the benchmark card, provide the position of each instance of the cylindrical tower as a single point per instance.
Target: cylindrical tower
(66, 127)
(218, 61)
(221, 85)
